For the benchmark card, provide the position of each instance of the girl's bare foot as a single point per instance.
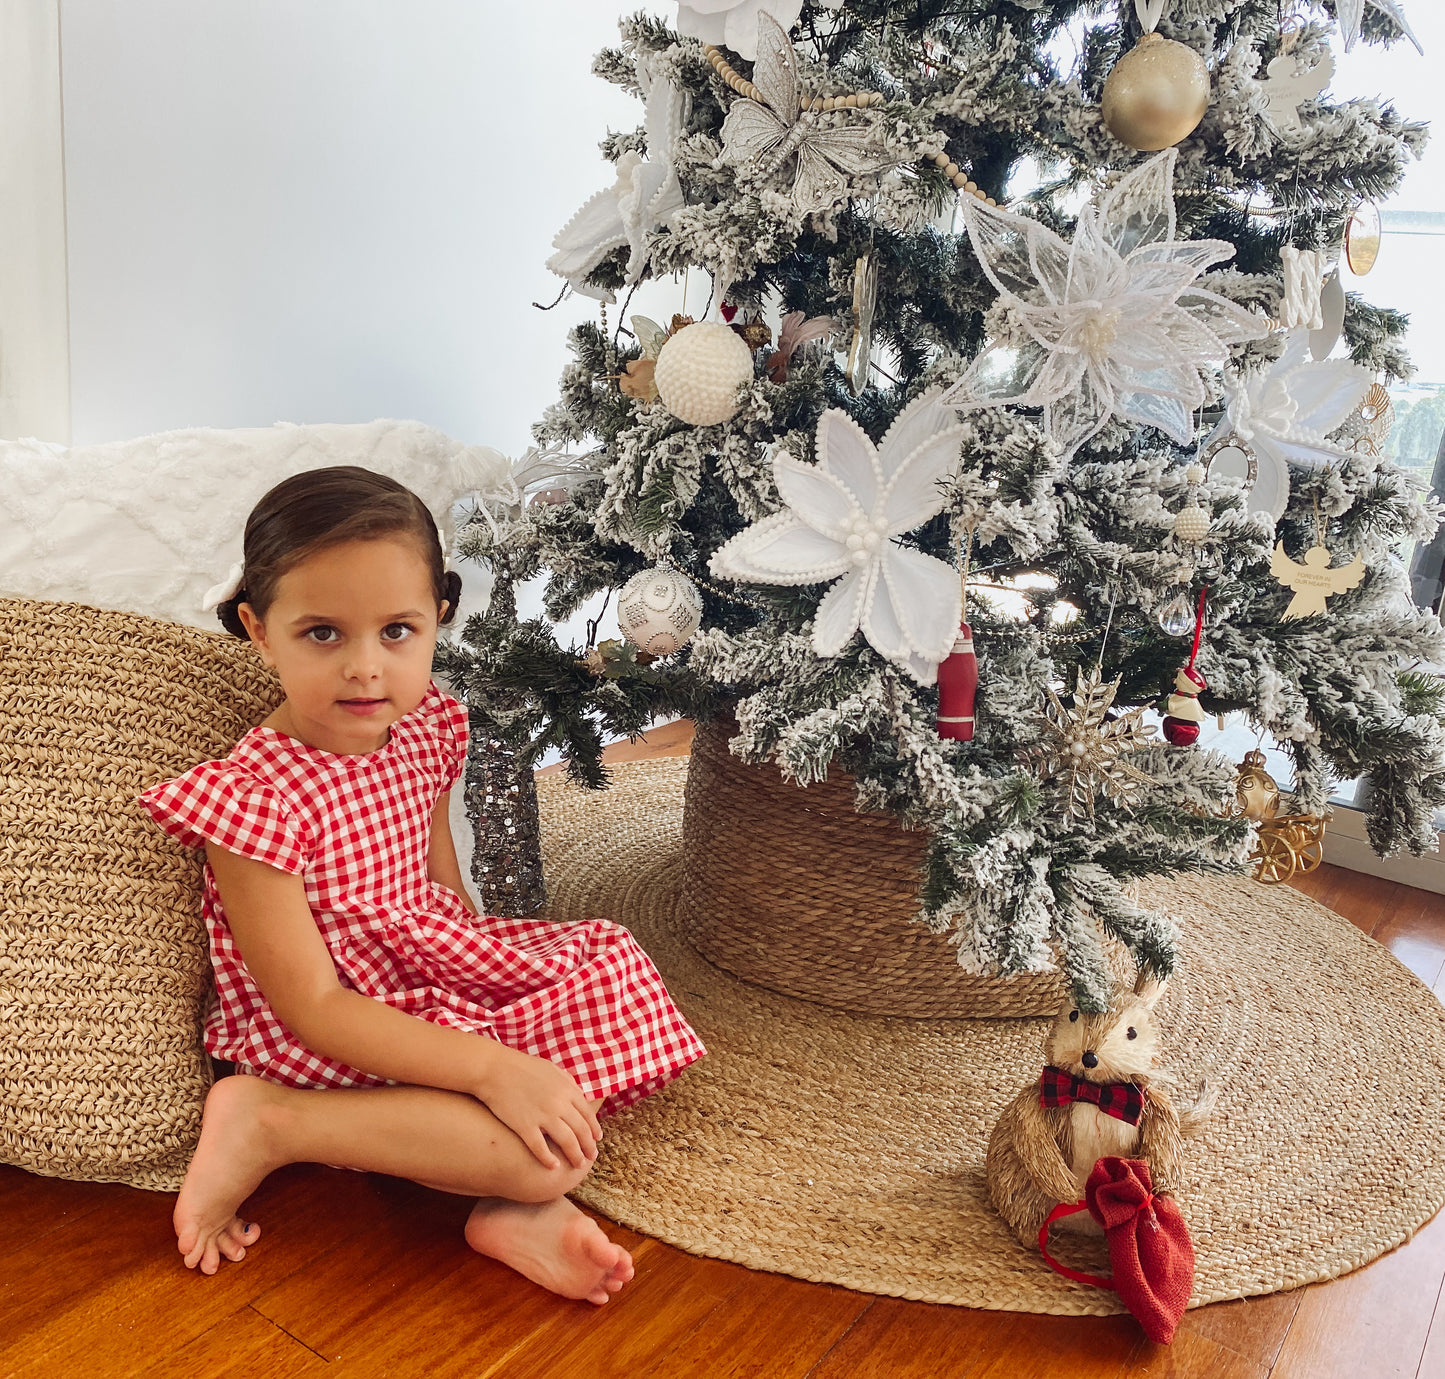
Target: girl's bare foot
(551, 1243)
(229, 1163)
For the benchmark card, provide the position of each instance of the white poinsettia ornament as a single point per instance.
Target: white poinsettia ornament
(644, 198)
(842, 517)
(733, 23)
(1283, 414)
(1115, 323)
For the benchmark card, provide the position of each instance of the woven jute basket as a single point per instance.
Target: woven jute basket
(794, 890)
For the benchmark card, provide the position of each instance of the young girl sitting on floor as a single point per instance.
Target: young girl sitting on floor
(385, 1025)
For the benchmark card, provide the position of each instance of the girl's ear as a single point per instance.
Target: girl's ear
(256, 630)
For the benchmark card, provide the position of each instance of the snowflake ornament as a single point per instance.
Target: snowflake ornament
(1089, 747)
(842, 517)
(1116, 322)
(1350, 13)
(768, 139)
(645, 196)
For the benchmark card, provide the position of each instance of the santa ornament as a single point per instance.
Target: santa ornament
(1183, 712)
(958, 671)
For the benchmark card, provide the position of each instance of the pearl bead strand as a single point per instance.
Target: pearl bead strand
(861, 101)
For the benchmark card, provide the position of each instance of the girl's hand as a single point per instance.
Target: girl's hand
(536, 1099)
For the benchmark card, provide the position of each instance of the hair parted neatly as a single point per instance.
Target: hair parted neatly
(321, 508)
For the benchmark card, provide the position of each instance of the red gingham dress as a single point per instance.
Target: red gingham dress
(358, 829)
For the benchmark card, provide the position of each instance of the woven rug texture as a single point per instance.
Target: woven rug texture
(850, 1149)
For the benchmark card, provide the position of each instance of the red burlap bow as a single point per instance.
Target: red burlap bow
(1123, 1100)
(1150, 1251)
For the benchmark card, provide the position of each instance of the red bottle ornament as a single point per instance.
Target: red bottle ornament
(1183, 712)
(957, 686)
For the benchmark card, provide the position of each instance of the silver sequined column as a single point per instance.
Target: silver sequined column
(501, 802)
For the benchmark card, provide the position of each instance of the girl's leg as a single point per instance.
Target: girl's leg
(443, 1139)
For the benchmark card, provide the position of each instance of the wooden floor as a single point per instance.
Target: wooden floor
(364, 1275)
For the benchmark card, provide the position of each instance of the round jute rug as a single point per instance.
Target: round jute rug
(850, 1149)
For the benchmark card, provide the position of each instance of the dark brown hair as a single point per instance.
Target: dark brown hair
(321, 508)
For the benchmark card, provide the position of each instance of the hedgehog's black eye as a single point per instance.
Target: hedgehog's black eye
(1133, 1033)
(1073, 1016)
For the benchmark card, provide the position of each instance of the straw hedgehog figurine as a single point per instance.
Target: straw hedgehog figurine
(1096, 1097)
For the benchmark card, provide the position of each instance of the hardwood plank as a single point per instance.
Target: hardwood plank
(1029, 1347)
(1252, 1327)
(771, 1328)
(1414, 932)
(1432, 1362)
(895, 1339)
(1364, 900)
(1372, 1323)
(665, 740)
(672, 1296)
(31, 1205)
(413, 1297)
(1191, 1356)
(112, 1286)
(242, 1346)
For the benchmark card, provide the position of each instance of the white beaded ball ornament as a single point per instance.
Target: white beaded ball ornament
(658, 610)
(1192, 525)
(699, 372)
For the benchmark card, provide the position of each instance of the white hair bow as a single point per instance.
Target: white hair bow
(228, 588)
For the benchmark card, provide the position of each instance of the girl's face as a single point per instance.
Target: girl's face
(352, 623)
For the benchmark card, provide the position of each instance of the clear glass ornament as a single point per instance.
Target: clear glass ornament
(1176, 618)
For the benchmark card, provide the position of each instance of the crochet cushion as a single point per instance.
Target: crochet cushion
(104, 965)
(151, 525)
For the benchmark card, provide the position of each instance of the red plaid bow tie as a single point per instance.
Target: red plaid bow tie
(1122, 1100)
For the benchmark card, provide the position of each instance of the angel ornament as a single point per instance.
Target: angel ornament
(1314, 581)
(1290, 83)
(767, 138)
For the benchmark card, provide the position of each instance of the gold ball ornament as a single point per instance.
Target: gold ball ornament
(1156, 95)
(699, 371)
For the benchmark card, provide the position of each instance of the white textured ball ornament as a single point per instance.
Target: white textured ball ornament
(658, 610)
(1191, 525)
(699, 372)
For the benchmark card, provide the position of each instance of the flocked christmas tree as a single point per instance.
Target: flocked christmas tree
(1112, 392)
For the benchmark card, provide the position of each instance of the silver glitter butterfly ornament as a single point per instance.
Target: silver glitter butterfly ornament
(766, 140)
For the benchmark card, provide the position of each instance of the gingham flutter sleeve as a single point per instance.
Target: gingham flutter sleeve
(449, 722)
(222, 802)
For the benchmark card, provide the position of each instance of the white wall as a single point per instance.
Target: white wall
(331, 210)
(34, 367)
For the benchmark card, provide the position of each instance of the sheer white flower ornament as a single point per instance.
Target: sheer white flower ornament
(768, 140)
(645, 196)
(1116, 323)
(1349, 13)
(734, 23)
(840, 522)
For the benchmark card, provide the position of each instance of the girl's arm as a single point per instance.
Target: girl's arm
(441, 860)
(272, 924)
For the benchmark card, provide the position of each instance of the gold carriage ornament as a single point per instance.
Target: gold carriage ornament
(1288, 843)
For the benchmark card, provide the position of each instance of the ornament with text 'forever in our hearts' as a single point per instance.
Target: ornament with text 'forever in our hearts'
(658, 610)
(699, 371)
(1157, 94)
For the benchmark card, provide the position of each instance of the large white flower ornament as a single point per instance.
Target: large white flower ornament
(645, 196)
(733, 23)
(1115, 323)
(840, 522)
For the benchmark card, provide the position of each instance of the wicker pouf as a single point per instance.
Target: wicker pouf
(794, 890)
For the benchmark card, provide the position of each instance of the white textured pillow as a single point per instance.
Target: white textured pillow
(150, 525)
